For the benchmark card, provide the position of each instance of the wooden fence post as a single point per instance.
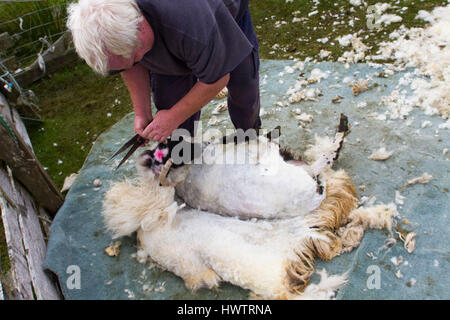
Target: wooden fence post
(26, 192)
(17, 153)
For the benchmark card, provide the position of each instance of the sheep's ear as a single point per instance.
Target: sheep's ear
(143, 157)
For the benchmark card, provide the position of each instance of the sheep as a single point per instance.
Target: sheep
(272, 255)
(255, 179)
(272, 258)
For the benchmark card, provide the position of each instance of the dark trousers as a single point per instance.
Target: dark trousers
(243, 87)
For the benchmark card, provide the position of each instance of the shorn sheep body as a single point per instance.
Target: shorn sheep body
(268, 249)
(260, 186)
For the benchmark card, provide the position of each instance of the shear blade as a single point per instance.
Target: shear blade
(134, 143)
(129, 153)
(127, 144)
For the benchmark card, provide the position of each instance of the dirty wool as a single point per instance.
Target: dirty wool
(272, 253)
(428, 50)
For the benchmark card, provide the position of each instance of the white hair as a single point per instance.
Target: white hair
(102, 26)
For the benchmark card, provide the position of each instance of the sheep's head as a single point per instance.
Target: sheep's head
(156, 162)
(154, 159)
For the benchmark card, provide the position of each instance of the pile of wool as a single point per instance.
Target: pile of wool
(378, 17)
(355, 3)
(380, 154)
(398, 104)
(358, 52)
(302, 116)
(428, 50)
(374, 217)
(360, 85)
(308, 94)
(222, 94)
(299, 91)
(387, 19)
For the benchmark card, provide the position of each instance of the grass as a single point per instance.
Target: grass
(75, 101)
(79, 105)
(4, 259)
(299, 39)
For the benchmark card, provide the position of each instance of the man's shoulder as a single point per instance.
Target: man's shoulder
(175, 12)
(183, 18)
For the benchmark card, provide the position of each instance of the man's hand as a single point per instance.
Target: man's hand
(166, 121)
(140, 123)
(162, 126)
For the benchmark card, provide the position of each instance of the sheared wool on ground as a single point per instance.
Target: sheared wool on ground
(360, 85)
(358, 52)
(113, 249)
(376, 217)
(387, 19)
(326, 288)
(221, 107)
(409, 241)
(307, 94)
(68, 181)
(423, 179)
(222, 94)
(380, 154)
(317, 75)
(427, 49)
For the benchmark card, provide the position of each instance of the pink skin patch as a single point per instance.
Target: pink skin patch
(160, 154)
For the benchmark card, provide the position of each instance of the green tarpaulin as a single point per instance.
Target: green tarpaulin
(78, 236)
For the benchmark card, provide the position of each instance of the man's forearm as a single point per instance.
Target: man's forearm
(137, 80)
(200, 94)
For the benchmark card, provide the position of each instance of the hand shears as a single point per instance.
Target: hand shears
(134, 143)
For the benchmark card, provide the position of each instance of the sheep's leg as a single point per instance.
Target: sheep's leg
(342, 130)
(326, 160)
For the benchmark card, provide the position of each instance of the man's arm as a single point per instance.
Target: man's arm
(166, 121)
(197, 98)
(137, 80)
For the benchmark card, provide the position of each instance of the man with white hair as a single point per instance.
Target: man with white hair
(184, 51)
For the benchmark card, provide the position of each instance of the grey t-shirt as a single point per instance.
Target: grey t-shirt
(199, 37)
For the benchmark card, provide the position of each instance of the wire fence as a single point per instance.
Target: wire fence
(27, 29)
